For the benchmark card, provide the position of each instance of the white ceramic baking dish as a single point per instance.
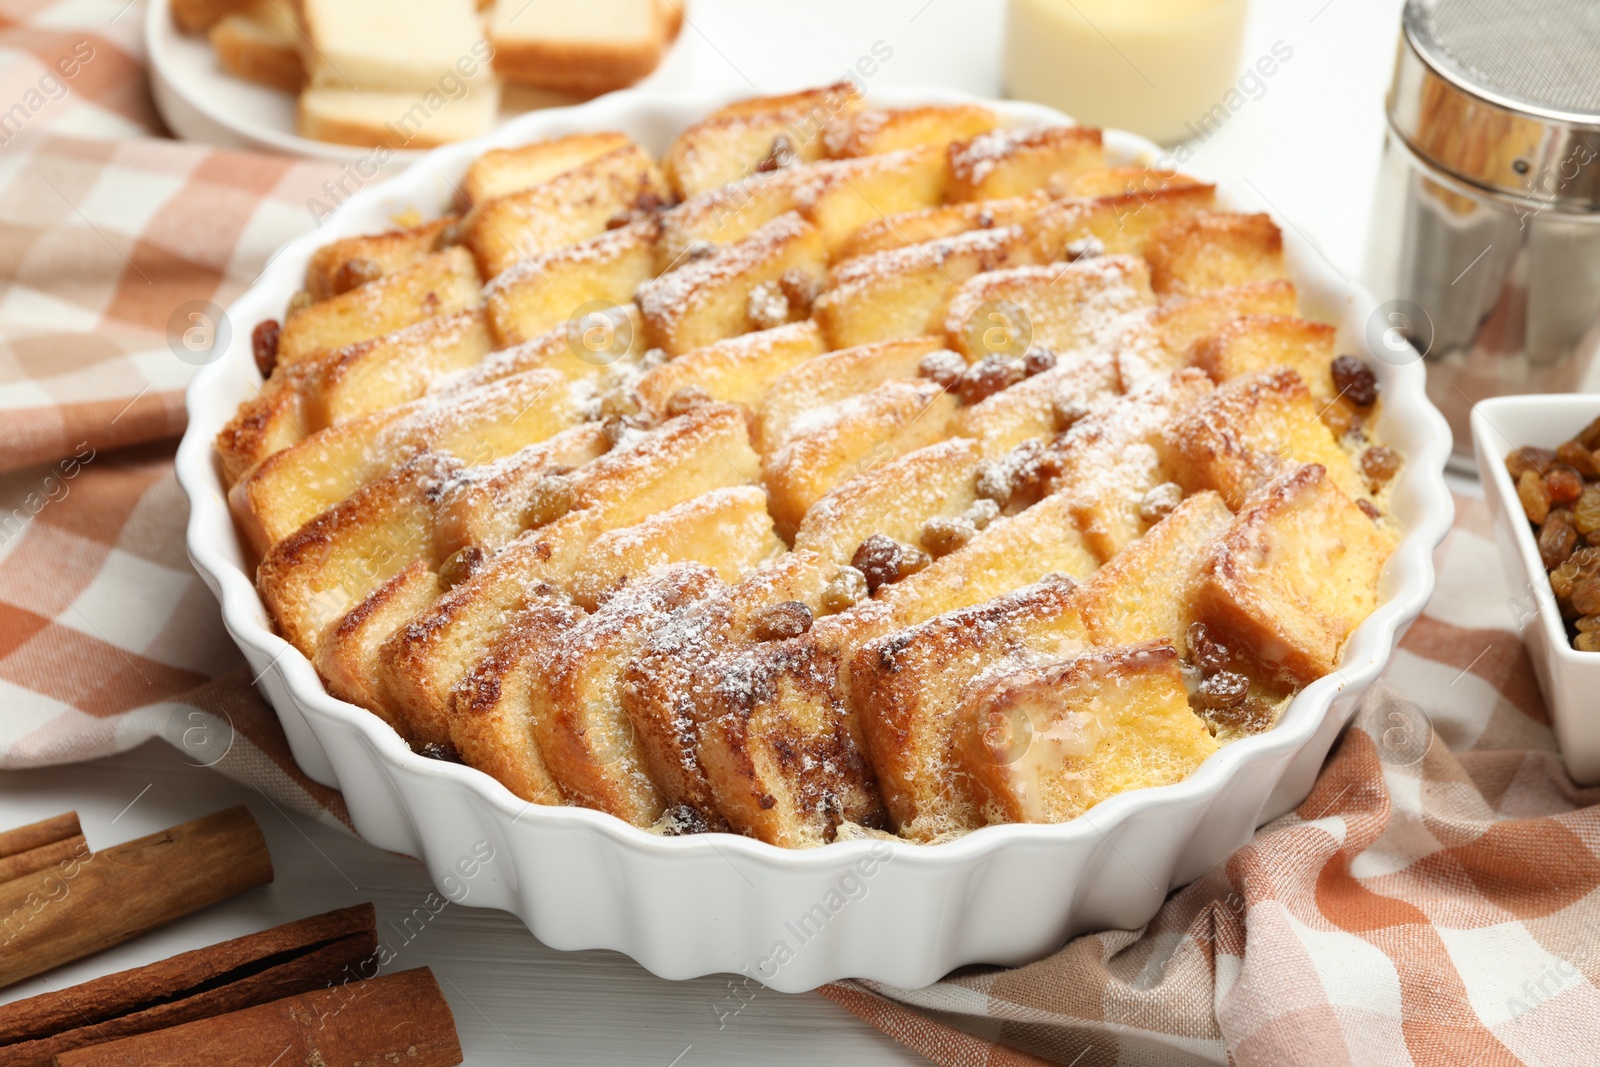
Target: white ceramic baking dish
(1569, 678)
(686, 906)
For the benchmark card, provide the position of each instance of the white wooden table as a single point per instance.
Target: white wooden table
(1309, 145)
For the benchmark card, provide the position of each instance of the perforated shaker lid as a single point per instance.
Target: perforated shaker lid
(1505, 95)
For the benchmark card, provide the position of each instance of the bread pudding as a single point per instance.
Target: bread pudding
(847, 471)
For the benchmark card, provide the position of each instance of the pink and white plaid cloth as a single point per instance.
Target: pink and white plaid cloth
(1441, 907)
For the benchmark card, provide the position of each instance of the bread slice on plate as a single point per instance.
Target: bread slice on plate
(396, 119)
(391, 45)
(261, 44)
(577, 46)
(198, 16)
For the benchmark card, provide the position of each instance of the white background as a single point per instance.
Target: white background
(1309, 146)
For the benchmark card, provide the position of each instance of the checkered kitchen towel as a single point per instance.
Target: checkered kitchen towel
(1435, 901)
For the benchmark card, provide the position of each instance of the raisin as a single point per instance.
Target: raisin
(461, 565)
(1084, 248)
(1529, 459)
(1160, 502)
(264, 343)
(1210, 655)
(781, 155)
(1531, 491)
(1340, 417)
(355, 272)
(685, 400)
(1589, 436)
(848, 588)
(800, 289)
(1588, 624)
(1224, 689)
(1369, 509)
(615, 427)
(1582, 565)
(1379, 465)
(1251, 715)
(1067, 412)
(1586, 597)
(994, 482)
(1587, 642)
(781, 621)
(443, 752)
(695, 251)
(1355, 381)
(1038, 360)
(912, 560)
(1562, 484)
(944, 536)
(943, 367)
(1580, 459)
(878, 560)
(1557, 538)
(550, 499)
(985, 378)
(1586, 512)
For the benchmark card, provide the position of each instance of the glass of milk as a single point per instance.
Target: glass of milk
(1150, 66)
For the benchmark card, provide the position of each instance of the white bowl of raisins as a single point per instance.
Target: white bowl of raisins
(1539, 461)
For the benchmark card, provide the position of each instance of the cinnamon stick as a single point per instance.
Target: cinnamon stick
(39, 834)
(83, 905)
(315, 953)
(398, 1018)
(37, 859)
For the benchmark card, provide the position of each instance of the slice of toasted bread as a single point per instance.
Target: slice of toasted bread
(1064, 306)
(839, 442)
(871, 131)
(663, 683)
(1178, 325)
(486, 506)
(267, 422)
(828, 379)
(709, 300)
(726, 529)
(904, 292)
(1035, 406)
(1116, 181)
(594, 351)
(1019, 159)
(931, 223)
(1298, 570)
(695, 453)
(1125, 222)
(576, 204)
(1250, 429)
(1046, 744)
(502, 171)
(1261, 342)
(1111, 459)
(396, 368)
(1007, 554)
(588, 46)
(261, 44)
(906, 688)
(1146, 592)
(1214, 251)
(739, 370)
(490, 722)
(542, 292)
(347, 656)
(339, 266)
(316, 574)
(441, 283)
(895, 499)
(781, 749)
(367, 118)
(587, 740)
(290, 487)
(350, 44)
(755, 137)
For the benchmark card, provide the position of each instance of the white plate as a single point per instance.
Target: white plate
(686, 906)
